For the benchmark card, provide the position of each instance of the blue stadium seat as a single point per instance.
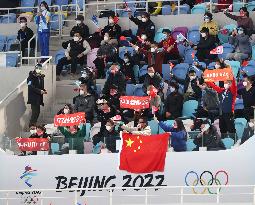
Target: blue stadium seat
(228, 142)
(130, 89)
(166, 10)
(27, 3)
(136, 72)
(9, 41)
(251, 6)
(227, 48)
(198, 9)
(79, 2)
(159, 35)
(188, 55)
(11, 59)
(166, 71)
(190, 145)
(189, 108)
(184, 9)
(123, 50)
(239, 104)
(194, 35)
(181, 49)
(54, 147)
(223, 37)
(99, 89)
(88, 128)
(197, 70)
(211, 66)
(180, 70)
(143, 70)
(235, 66)
(60, 54)
(2, 42)
(240, 124)
(253, 52)
(249, 69)
(54, 24)
(61, 2)
(139, 90)
(237, 6)
(9, 18)
(154, 126)
(49, 2)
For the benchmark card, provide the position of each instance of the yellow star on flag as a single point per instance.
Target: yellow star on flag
(129, 142)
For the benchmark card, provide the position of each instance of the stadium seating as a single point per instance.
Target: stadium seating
(59, 54)
(235, 66)
(11, 59)
(10, 18)
(49, 2)
(228, 142)
(154, 126)
(123, 50)
(250, 6)
(79, 2)
(194, 35)
(180, 70)
(184, 9)
(2, 42)
(249, 69)
(159, 35)
(27, 3)
(54, 148)
(143, 70)
(198, 9)
(166, 71)
(136, 72)
(54, 25)
(239, 104)
(177, 30)
(189, 107)
(166, 10)
(9, 41)
(227, 48)
(139, 90)
(130, 89)
(211, 66)
(188, 55)
(190, 145)
(240, 124)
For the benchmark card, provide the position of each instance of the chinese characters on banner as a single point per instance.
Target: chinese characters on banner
(134, 102)
(218, 75)
(69, 120)
(33, 144)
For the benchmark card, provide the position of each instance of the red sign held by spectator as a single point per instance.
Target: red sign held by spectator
(33, 144)
(134, 102)
(218, 75)
(69, 120)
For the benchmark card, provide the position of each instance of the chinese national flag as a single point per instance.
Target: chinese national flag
(143, 154)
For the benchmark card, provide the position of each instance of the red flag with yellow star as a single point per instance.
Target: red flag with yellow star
(143, 154)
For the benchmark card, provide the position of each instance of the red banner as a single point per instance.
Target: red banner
(218, 75)
(33, 144)
(134, 102)
(69, 119)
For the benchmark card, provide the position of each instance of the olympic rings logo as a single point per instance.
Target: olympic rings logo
(206, 178)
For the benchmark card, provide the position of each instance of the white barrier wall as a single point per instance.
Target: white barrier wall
(230, 167)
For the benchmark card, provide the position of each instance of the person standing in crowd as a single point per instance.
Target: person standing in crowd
(35, 82)
(205, 45)
(75, 54)
(24, 35)
(142, 127)
(113, 29)
(75, 136)
(173, 103)
(85, 102)
(227, 98)
(127, 68)
(155, 101)
(178, 135)
(170, 47)
(209, 138)
(145, 25)
(116, 77)
(243, 20)
(80, 27)
(114, 97)
(42, 21)
(210, 24)
(248, 95)
(242, 45)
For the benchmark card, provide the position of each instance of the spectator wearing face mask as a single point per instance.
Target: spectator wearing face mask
(75, 54)
(178, 135)
(155, 101)
(173, 103)
(243, 20)
(109, 137)
(85, 102)
(67, 109)
(145, 25)
(116, 77)
(242, 45)
(155, 79)
(24, 35)
(75, 137)
(191, 89)
(113, 98)
(248, 95)
(142, 127)
(113, 29)
(210, 24)
(170, 47)
(80, 27)
(205, 45)
(209, 103)
(35, 82)
(209, 138)
(227, 98)
(127, 68)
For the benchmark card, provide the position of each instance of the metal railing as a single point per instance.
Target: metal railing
(109, 194)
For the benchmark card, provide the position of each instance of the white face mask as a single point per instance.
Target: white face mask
(203, 35)
(106, 38)
(144, 20)
(81, 92)
(78, 22)
(148, 92)
(164, 36)
(111, 21)
(217, 66)
(33, 132)
(22, 25)
(172, 89)
(126, 60)
(43, 8)
(76, 38)
(38, 71)
(245, 83)
(226, 86)
(206, 127)
(66, 111)
(151, 74)
(207, 20)
(153, 50)
(192, 77)
(108, 128)
(240, 32)
(143, 37)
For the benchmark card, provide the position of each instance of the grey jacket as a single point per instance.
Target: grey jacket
(241, 43)
(84, 104)
(210, 99)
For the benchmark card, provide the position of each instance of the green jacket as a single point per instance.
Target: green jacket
(76, 141)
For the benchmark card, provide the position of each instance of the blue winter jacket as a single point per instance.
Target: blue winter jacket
(178, 138)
